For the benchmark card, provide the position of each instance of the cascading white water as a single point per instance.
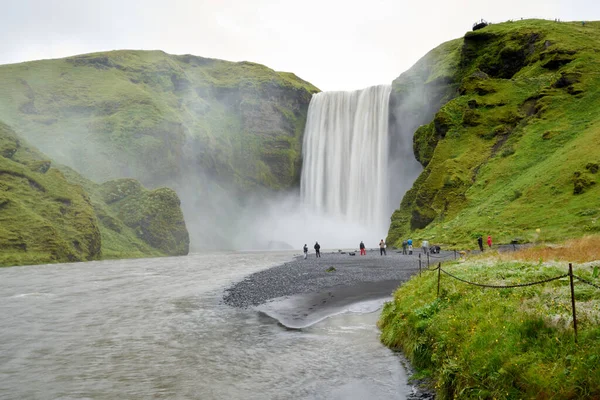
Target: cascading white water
(346, 157)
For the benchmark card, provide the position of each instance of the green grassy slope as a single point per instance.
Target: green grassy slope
(43, 217)
(517, 147)
(482, 343)
(155, 116)
(52, 214)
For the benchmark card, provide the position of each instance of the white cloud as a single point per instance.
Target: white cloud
(334, 44)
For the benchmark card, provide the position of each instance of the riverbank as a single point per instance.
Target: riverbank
(356, 278)
(475, 342)
(302, 292)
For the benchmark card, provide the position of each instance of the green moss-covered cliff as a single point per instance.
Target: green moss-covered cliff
(216, 132)
(50, 214)
(158, 117)
(509, 135)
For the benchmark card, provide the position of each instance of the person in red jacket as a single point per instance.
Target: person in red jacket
(489, 241)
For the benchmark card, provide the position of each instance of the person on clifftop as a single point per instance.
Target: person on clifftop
(382, 248)
(480, 243)
(317, 249)
(305, 249)
(363, 250)
(489, 241)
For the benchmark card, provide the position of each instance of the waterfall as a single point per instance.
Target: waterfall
(345, 151)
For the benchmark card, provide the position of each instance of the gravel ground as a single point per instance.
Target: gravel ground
(310, 275)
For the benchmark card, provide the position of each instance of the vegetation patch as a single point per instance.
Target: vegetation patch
(52, 214)
(514, 343)
(499, 156)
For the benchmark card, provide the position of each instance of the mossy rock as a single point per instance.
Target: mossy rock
(471, 118)
(592, 167)
(43, 217)
(522, 120)
(581, 182)
(155, 216)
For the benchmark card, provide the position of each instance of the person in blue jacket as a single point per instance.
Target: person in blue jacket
(409, 242)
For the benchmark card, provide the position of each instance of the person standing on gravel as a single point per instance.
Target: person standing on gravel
(305, 249)
(404, 246)
(425, 246)
(382, 248)
(317, 249)
(409, 242)
(363, 250)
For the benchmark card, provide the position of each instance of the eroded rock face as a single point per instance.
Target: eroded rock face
(44, 218)
(155, 215)
(492, 107)
(162, 117)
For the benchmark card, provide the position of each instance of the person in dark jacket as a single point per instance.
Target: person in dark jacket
(305, 249)
(404, 246)
(317, 249)
(480, 243)
(363, 250)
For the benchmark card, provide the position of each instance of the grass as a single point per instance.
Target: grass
(575, 250)
(149, 115)
(50, 213)
(516, 343)
(43, 217)
(510, 153)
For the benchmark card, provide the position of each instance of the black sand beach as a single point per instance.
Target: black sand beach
(302, 292)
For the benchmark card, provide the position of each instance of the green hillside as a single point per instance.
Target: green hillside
(511, 137)
(159, 117)
(50, 214)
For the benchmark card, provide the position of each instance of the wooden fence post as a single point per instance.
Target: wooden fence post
(439, 276)
(573, 300)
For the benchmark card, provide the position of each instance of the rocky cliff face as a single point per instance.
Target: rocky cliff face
(50, 214)
(507, 134)
(154, 116)
(214, 131)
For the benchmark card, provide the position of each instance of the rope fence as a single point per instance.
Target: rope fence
(569, 275)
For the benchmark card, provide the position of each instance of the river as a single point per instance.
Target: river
(157, 328)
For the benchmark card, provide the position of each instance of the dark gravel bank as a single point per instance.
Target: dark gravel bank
(310, 276)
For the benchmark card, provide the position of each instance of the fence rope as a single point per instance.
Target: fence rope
(586, 281)
(505, 286)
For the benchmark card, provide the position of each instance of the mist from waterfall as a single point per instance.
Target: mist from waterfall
(356, 168)
(345, 151)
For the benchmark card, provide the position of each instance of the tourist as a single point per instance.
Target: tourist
(382, 248)
(409, 242)
(363, 250)
(317, 249)
(424, 246)
(480, 243)
(489, 241)
(404, 246)
(305, 249)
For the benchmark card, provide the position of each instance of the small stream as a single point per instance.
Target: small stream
(157, 328)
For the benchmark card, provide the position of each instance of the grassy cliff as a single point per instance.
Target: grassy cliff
(158, 117)
(509, 135)
(50, 214)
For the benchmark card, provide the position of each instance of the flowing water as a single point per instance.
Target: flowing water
(157, 328)
(345, 151)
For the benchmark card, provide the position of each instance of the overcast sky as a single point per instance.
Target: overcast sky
(336, 45)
